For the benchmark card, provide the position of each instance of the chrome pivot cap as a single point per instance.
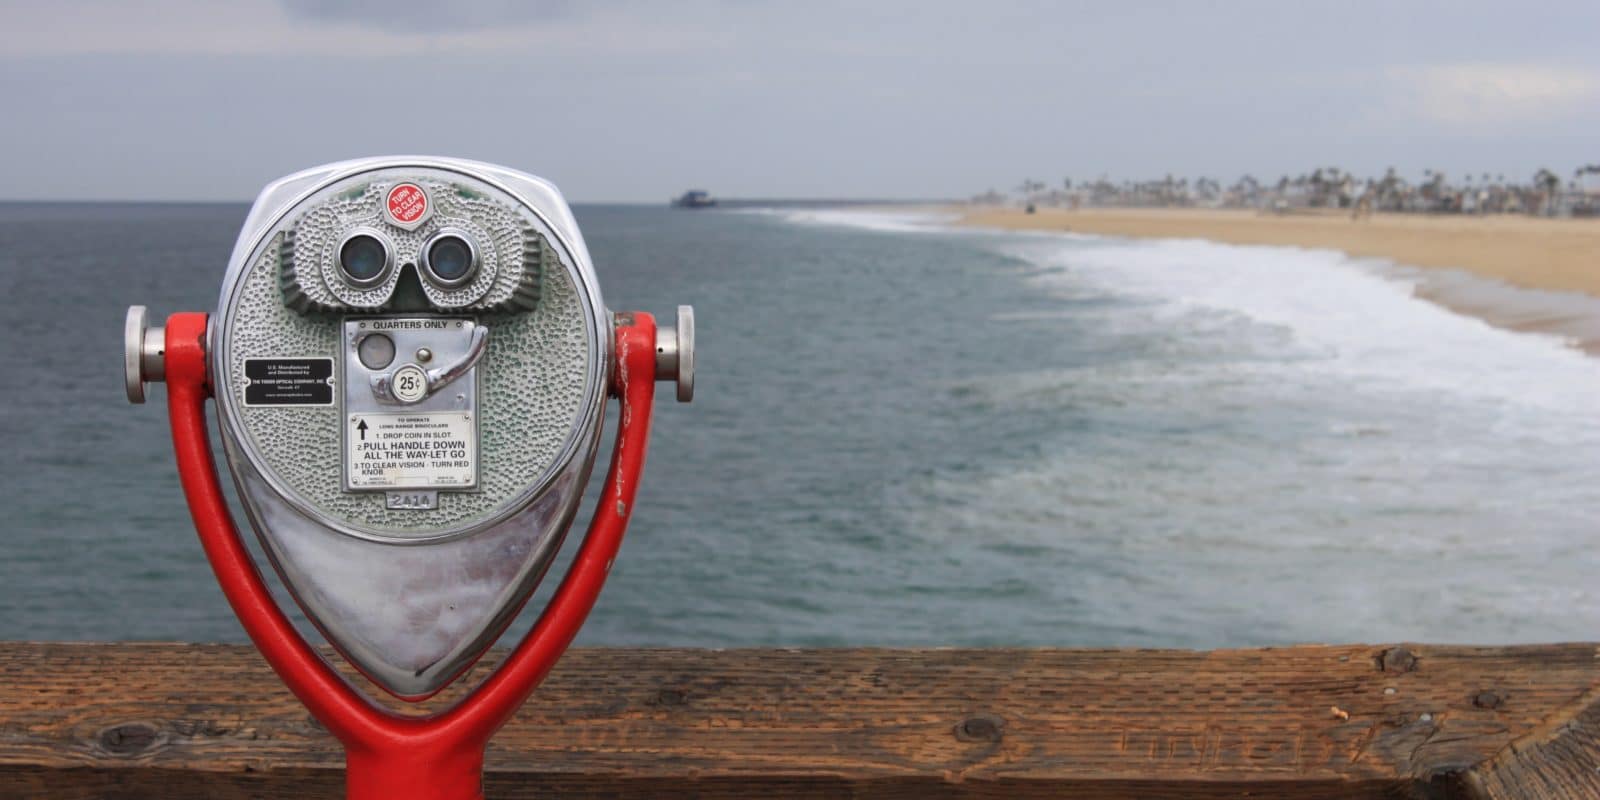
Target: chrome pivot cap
(143, 353)
(675, 353)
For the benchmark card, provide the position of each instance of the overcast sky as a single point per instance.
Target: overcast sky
(635, 101)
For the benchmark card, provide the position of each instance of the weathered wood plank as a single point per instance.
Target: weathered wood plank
(1560, 758)
(175, 721)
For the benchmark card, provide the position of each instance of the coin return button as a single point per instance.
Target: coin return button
(375, 350)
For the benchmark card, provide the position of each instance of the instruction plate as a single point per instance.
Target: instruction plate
(415, 450)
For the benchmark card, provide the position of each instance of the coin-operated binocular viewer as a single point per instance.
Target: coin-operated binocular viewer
(410, 361)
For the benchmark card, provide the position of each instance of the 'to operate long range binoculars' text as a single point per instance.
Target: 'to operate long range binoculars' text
(410, 361)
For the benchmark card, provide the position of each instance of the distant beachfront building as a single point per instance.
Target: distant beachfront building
(989, 198)
(1585, 194)
(1329, 188)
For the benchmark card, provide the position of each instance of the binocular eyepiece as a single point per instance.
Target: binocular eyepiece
(447, 259)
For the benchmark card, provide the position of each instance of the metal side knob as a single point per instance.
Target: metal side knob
(675, 353)
(143, 353)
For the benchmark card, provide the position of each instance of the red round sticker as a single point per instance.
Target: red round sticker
(407, 203)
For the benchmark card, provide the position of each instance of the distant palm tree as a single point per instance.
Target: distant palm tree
(1549, 183)
(1389, 190)
(1029, 187)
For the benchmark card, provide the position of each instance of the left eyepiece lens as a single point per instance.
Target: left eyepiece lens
(364, 259)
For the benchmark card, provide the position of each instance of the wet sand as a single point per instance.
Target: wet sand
(1552, 266)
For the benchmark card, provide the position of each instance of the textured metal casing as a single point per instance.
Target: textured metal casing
(412, 596)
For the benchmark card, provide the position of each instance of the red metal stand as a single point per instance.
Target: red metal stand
(387, 756)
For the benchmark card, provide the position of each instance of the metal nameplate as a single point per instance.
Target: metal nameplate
(288, 382)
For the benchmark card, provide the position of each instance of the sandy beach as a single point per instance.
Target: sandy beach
(1550, 257)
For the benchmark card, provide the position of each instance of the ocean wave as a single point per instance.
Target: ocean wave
(1257, 445)
(1367, 318)
(888, 220)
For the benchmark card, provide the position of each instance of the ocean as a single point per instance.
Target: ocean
(905, 434)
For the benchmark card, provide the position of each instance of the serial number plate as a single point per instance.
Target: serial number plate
(412, 501)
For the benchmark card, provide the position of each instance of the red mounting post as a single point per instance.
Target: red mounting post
(387, 756)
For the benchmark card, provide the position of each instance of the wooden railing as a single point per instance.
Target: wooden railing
(211, 721)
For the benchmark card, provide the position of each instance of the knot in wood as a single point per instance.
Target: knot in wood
(1397, 659)
(1487, 699)
(980, 728)
(670, 697)
(129, 738)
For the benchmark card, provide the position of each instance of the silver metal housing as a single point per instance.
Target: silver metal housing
(413, 607)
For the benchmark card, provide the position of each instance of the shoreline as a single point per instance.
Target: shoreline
(1525, 274)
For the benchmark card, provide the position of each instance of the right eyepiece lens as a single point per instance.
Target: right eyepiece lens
(450, 258)
(363, 257)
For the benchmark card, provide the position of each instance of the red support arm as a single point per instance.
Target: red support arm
(390, 757)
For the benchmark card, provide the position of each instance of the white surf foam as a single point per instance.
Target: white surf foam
(893, 220)
(1362, 315)
(1365, 322)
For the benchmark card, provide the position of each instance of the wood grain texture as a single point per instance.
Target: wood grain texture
(181, 721)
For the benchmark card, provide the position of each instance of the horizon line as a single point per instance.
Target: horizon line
(729, 200)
